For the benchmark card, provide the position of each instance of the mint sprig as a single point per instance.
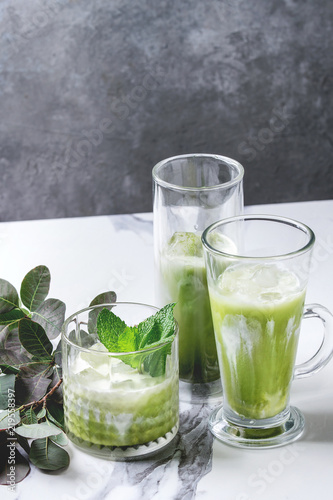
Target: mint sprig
(114, 333)
(118, 337)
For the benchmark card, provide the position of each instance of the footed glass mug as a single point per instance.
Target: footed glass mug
(191, 192)
(257, 284)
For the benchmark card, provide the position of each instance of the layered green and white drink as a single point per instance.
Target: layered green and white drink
(116, 401)
(257, 294)
(183, 280)
(190, 192)
(257, 310)
(108, 403)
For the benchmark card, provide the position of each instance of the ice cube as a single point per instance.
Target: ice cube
(79, 365)
(99, 347)
(97, 362)
(185, 244)
(266, 276)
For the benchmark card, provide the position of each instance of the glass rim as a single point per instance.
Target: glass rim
(64, 336)
(263, 217)
(224, 185)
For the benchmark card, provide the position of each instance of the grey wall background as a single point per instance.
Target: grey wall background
(93, 94)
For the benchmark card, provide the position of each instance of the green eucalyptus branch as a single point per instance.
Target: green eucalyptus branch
(31, 404)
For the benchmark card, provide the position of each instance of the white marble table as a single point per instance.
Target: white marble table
(90, 255)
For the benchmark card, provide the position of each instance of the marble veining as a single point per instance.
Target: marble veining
(139, 224)
(179, 468)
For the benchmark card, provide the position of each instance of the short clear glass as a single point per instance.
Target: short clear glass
(191, 192)
(257, 272)
(112, 410)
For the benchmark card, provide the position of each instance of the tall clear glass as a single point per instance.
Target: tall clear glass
(191, 192)
(118, 406)
(257, 285)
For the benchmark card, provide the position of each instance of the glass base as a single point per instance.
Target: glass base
(243, 437)
(206, 393)
(124, 453)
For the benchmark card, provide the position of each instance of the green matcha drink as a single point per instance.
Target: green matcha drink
(108, 403)
(120, 378)
(257, 310)
(183, 280)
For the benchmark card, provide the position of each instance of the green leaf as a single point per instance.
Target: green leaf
(55, 413)
(12, 353)
(9, 298)
(51, 316)
(11, 457)
(46, 455)
(41, 430)
(36, 368)
(60, 439)
(152, 332)
(34, 339)
(14, 362)
(114, 333)
(9, 419)
(10, 318)
(33, 388)
(35, 287)
(7, 384)
(29, 417)
(102, 298)
(10, 361)
(149, 332)
(41, 414)
(155, 362)
(10, 340)
(127, 340)
(11, 350)
(158, 327)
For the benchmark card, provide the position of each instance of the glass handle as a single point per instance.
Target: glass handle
(325, 351)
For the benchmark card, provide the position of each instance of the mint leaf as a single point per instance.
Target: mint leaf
(127, 340)
(149, 332)
(114, 333)
(153, 331)
(157, 328)
(155, 362)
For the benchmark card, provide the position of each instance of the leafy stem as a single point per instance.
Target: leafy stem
(31, 373)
